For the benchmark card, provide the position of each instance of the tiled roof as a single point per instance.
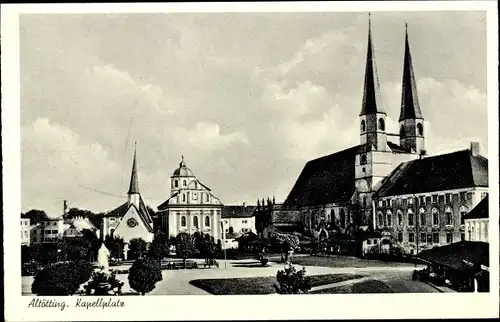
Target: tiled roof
(327, 179)
(237, 211)
(437, 173)
(457, 255)
(480, 210)
(142, 211)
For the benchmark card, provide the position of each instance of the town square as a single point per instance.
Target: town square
(254, 153)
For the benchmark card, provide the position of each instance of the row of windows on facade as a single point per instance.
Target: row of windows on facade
(230, 230)
(422, 217)
(427, 200)
(429, 238)
(324, 215)
(244, 221)
(184, 183)
(381, 127)
(195, 196)
(24, 222)
(195, 221)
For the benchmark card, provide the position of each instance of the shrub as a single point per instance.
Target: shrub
(159, 247)
(138, 247)
(101, 283)
(185, 247)
(144, 274)
(292, 281)
(61, 278)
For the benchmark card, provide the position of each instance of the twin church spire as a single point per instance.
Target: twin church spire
(372, 113)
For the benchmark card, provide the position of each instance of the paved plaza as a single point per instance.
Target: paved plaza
(176, 282)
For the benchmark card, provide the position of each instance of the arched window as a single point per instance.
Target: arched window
(183, 221)
(411, 219)
(207, 221)
(449, 216)
(389, 218)
(184, 183)
(332, 215)
(363, 126)
(176, 183)
(195, 221)
(435, 217)
(231, 230)
(381, 124)
(420, 129)
(362, 159)
(401, 131)
(422, 217)
(400, 217)
(208, 197)
(342, 218)
(183, 198)
(463, 211)
(380, 219)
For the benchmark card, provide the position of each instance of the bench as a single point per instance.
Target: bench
(210, 263)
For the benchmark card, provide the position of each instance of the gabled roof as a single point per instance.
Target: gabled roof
(480, 211)
(142, 211)
(144, 218)
(329, 179)
(449, 171)
(237, 211)
(458, 255)
(118, 211)
(166, 202)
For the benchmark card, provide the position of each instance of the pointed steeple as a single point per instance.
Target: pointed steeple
(134, 178)
(410, 107)
(372, 101)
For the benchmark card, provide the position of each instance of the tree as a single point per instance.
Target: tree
(62, 278)
(292, 281)
(185, 247)
(115, 246)
(138, 247)
(144, 274)
(159, 247)
(35, 216)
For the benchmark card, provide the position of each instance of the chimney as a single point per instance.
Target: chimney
(65, 207)
(475, 149)
(244, 204)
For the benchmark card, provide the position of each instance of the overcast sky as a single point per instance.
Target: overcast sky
(247, 98)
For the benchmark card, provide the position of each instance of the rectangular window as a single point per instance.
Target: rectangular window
(470, 195)
(389, 220)
(422, 218)
(428, 200)
(435, 219)
(422, 200)
(422, 238)
(375, 241)
(410, 201)
(410, 219)
(368, 241)
(400, 237)
(441, 199)
(244, 221)
(380, 203)
(434, 198)
(448, 238)
(411, 237)
(448, 198)
(429, 239)
(435, 238)
(405, 202)
(462, 196)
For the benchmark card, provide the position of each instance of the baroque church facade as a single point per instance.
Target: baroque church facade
(191, 208)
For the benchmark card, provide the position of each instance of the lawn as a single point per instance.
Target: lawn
(343, 261)
(370, 286)
(260, 285)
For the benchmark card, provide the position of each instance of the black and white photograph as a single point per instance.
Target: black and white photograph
(319, 153)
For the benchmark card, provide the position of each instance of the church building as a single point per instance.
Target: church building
(191, 208)
(131, 219)
(334, 193)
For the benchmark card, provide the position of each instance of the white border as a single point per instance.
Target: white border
(238, 307)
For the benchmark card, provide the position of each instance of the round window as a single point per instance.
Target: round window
(132, 222)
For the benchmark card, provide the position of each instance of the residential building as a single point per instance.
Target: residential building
(238, 219)
(25, 231)
(423, 203)
(131, 219)
(192, 207)
(477, 222)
